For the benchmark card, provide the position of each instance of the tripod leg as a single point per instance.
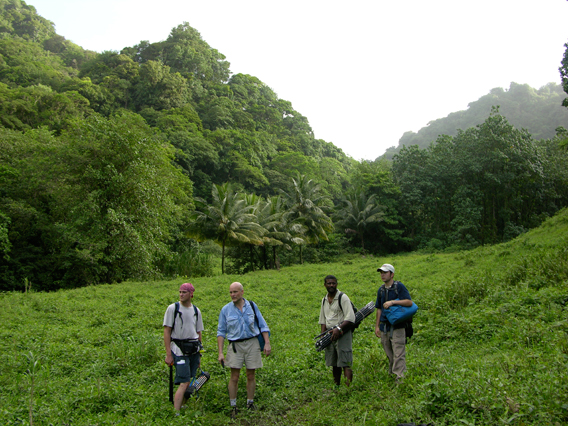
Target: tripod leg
(171, 384)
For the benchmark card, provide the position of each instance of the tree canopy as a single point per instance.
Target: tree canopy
(117, 165)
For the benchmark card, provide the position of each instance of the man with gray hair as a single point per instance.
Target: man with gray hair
(393, 337)
(241, 323)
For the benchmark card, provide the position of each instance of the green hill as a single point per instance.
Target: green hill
(490, 345)
(539, 111)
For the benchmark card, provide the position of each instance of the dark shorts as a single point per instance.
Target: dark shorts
(186, 367)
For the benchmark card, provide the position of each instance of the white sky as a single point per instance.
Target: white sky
(363, 72)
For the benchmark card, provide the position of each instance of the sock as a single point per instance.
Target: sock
(233, 402)
(250, 401)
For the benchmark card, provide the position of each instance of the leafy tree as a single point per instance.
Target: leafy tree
(35, 106)
(158, 88)
(307, 207)
(27, 184)
(121, 200)
(359, 213)
(21, 20)
(24, 63)
(227, 220)
(564, 74)
(4, 240)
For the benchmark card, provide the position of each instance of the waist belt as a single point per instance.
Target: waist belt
(239, 340)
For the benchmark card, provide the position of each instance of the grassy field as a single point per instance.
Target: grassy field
(490, 345)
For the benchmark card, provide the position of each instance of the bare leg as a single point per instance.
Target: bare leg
(234, 382)
(251, 384)
(178, 398)
(348, 373)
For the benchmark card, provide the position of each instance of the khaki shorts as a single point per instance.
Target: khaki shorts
(247, 354)
(340, 352)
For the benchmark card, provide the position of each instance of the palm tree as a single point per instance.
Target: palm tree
(273, 217)
(306, 205)
(358, 213)
(254, 201)
(228, 220)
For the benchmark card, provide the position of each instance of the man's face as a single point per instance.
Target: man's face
(386, 276)
(331, 285)
(236, 292)
(184, 296)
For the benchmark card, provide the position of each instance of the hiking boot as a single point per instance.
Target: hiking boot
(251, 406)
(234, 412)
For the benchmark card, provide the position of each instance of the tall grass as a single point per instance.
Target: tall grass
(490, 345)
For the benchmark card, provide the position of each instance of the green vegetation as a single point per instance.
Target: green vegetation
(125, 165)
(490, 345)
(539, 111)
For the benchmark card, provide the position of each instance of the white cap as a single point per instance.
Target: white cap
(386, 267)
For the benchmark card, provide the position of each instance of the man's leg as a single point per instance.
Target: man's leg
(387, 346)
(178, 398)
(234, 382)
(251, 384)
(348, 373)
(337, 375)
(345, 356)
(399, 352)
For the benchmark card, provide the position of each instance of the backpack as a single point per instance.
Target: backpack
(408, 330)
(355, 325)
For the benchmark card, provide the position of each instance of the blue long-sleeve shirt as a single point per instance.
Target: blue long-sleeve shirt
(237, 325)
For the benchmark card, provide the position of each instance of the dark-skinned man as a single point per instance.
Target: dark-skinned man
(336, 310)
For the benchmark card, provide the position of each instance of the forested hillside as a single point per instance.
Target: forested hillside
(121, 165)
(538, 111)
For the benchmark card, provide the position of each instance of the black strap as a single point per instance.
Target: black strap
(255, 317)
(232, 342)
(177, 311)
(383, 291)
(339, 300)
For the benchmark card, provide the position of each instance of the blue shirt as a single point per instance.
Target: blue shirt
(237, 325)
(390, 294)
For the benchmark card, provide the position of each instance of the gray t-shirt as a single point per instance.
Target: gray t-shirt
(186, 326)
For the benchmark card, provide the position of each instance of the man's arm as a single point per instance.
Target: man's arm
(349, 319)
(220, 342)
(404, 302)
(267, 347)
(378, 323)
(167, 344)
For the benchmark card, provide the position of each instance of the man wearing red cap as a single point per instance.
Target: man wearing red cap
(183, 325)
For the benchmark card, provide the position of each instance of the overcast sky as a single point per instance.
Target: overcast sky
(362, 72)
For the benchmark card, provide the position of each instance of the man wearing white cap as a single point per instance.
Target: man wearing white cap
(393, 337)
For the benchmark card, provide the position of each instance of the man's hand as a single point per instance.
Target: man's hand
(336, 334)
(378, 332)
(267, 349)
(169, 359)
